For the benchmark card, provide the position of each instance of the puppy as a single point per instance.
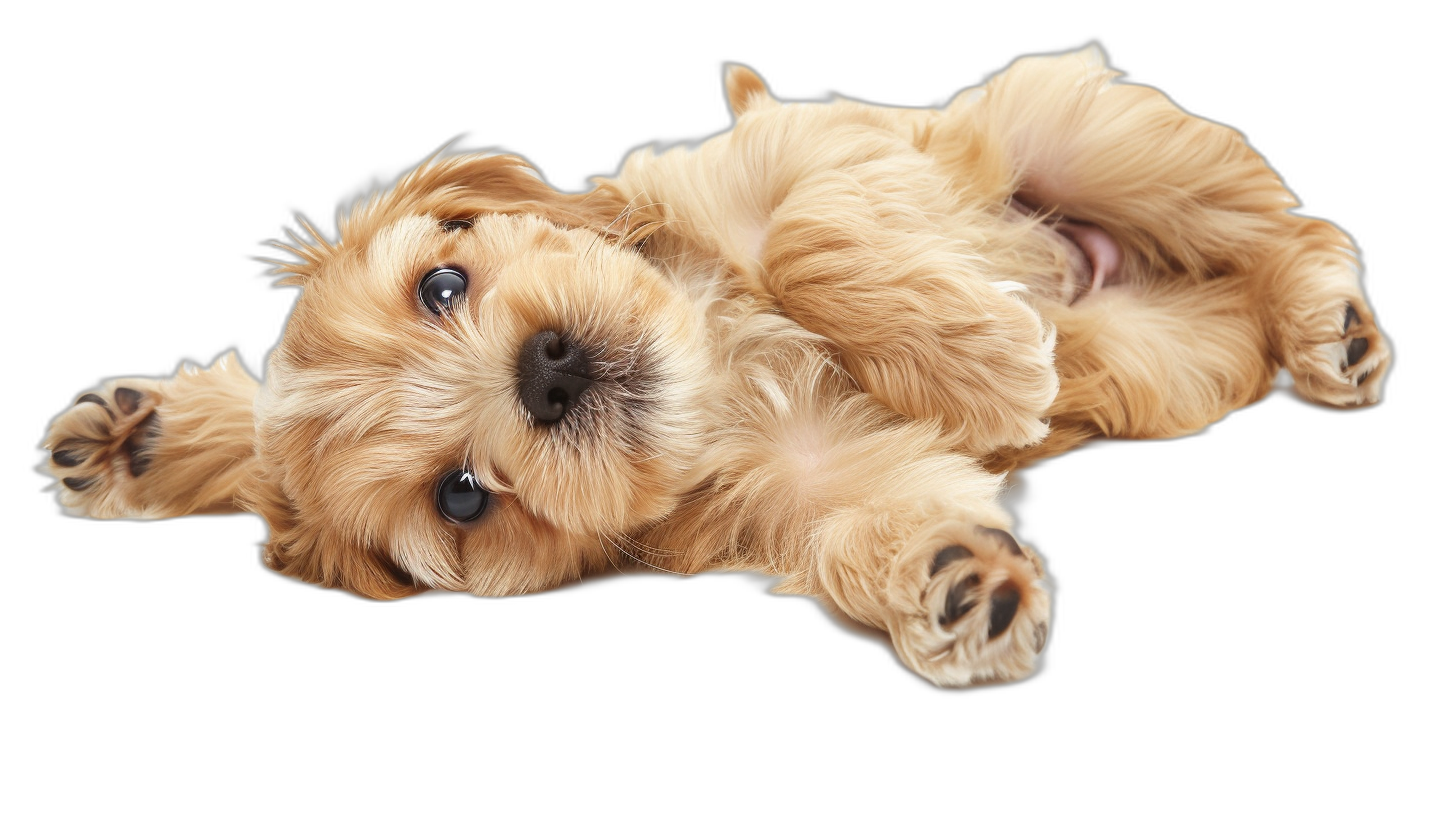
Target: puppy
(810, 346)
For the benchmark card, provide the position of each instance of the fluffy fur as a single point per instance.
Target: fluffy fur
(817, 342)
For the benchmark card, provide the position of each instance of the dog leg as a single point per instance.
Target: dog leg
(963, 601)
(153, 448)
(1221, 284)
(1179, 195)
(1320, 325)
(1162, 361)
(877, 515)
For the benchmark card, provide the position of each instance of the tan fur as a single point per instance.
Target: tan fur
(819, 338)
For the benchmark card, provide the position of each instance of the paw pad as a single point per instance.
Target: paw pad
(138, 445)
(956, 605)
(1356, 348)
(1004, 602)
(73, 452)
(1332, 361)
(948, 556)
(106, 435)
(962, 595)
(1006, 540)
(971, 606)
(127, 399)
(93, 399)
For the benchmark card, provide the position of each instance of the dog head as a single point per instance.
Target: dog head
(481, 385)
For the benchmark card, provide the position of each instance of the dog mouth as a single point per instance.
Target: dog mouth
(1096, 258)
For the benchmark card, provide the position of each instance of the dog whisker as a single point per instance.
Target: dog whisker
(644, 563)
(607, 556)
(644, 548)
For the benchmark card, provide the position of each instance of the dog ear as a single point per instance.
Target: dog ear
(295, 548)
(317, 552)
(746, 90)
(462, 187)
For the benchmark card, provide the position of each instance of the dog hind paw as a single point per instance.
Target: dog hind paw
(971, 607)
(1340, 357)
(102, 446)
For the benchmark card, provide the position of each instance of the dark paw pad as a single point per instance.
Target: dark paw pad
(1005, 539)
(137, 446)
(73, 452)
(1356, 350)
(127, 399)
(95, 399)
(956, 603)
(1004, 602)
(92, 458)
(948, 556)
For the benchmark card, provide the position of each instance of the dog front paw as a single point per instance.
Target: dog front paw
(1336, 355)
(968, 606)
(101, 448)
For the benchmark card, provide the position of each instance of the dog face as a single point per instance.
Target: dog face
(481, 385)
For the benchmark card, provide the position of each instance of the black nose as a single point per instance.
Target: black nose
(554, 373)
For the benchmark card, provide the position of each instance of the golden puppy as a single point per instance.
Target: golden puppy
(806, 347)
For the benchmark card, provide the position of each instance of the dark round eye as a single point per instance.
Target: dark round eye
(441, 289)
(460, 498)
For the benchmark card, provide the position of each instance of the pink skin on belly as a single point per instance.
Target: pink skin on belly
(1103, 254)
(1097, 259)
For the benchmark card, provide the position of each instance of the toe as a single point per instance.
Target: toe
(960, 599)
(948, 556)
(1004, 603)
(1356, 351)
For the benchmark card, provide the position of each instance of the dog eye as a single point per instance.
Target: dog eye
(456, 224)
(441, 289)
(460, 498)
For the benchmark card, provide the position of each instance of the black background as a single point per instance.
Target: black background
(1254, 563)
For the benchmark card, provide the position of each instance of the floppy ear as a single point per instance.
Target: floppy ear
(462, 187)
(296, 549)
(746, 90)
(317, 552)
(156, 448)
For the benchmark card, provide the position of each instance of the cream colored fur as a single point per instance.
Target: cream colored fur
(818, 340)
